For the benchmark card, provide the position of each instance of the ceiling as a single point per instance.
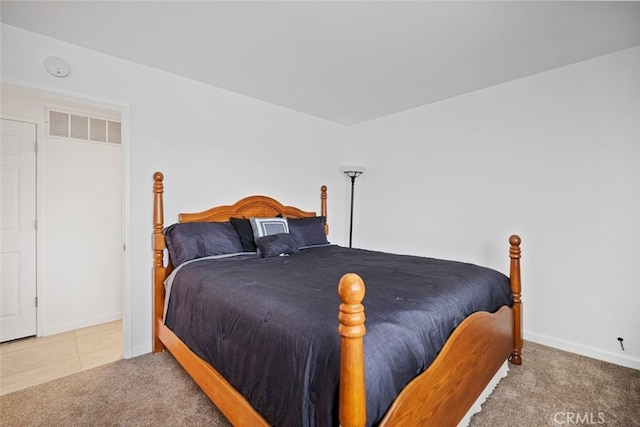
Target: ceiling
(344, 61)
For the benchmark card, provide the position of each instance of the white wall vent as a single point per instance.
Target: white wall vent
(77, 126)
(58, 124)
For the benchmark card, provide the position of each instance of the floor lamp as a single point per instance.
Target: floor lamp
(352, 172)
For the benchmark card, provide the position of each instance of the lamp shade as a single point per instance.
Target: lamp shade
(353, 169)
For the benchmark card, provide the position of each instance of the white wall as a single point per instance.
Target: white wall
(213, 146)
(554, 157)
(79, 204)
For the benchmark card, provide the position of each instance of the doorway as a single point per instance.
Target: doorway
(80, 222)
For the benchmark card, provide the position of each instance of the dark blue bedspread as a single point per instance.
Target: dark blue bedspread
(269, 325)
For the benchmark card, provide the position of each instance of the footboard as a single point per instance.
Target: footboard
(442, 395)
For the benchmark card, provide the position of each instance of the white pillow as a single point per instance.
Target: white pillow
(268, 226)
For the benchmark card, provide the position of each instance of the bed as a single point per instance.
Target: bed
(257, 386)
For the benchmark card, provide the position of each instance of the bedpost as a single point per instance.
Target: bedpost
(353, 411)
(516, 289)
(159, 271)
(323, 207)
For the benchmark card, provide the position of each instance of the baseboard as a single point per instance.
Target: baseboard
(573, 347)
(139, 351)
(57, 329)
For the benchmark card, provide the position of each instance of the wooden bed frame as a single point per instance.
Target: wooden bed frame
(440, 396)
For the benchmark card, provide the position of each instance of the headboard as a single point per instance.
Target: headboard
(252, 206)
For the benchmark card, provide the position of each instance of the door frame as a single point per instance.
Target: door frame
(125, 161)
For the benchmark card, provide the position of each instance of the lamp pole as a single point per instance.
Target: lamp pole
(352, 174)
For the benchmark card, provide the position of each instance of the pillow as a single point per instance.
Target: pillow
(268, 226)
(276, 245)
(243, 227)
(193, 240)
(308, 231)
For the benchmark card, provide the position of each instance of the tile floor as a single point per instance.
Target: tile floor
(31, 361)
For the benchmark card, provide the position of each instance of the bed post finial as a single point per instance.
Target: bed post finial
(353, 410)
(159, 271)
(323, 207)
(158, 189)
(158, 219)
(516, 290)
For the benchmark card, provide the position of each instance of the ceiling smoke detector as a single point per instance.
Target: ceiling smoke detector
(57, 67)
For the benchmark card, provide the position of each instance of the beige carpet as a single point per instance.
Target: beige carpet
(551, 388)
(556, 388)
(150, 390)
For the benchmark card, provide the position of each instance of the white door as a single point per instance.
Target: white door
(18, 226)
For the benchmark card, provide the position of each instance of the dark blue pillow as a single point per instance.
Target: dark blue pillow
(308, 231)
(276, 245)
(193, 240)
